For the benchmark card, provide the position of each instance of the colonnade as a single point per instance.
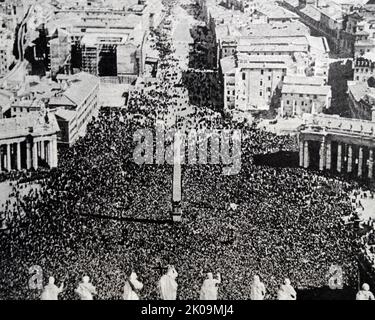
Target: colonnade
(343, 157)
(28, 153)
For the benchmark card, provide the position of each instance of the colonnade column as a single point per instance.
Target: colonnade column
(9, 160)
(360, 162)
(329, 156)
(28, 155)
(52, 152)
(42, 149)
(322, 155)
(301, 153)
(35, 154)
(306, 156)
(18, 155)
(54, 156)
(339, 157)
(371, 164)
(350, 159)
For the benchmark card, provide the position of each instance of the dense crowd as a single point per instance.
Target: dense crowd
(102, 215)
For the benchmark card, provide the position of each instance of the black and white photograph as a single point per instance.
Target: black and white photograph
(200, 152)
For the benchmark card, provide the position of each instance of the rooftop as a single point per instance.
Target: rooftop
(360, 90)
(262, 62)
(312, 12)
(306, 89)
(64, 114)
(79, 88)
(302, 80)
(34, 124)
(274, 11)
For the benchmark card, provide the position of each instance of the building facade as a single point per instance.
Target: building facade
(75, 106)
(28, 142)
(361, 100)
(301, 95)
(60, 53)
(6, 52)
(251, 81)
(363, 69)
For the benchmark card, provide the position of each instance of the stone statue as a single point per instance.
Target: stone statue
(365, 293)
(286, 291)
(131, 285)
(51, 291)
(209, 288)
(257, 290)
(167, 284)
(85, 289)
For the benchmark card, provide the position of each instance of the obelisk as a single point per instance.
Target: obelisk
(177, 185)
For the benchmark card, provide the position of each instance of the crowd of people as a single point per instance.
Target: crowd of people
(102, 215)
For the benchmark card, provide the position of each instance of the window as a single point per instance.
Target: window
(261, 93)
(302, 103)
(243, 76)
(262, 72)
(269, 78)
(261, 82)
(301, 95)
(287, 101)
(269, 89)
